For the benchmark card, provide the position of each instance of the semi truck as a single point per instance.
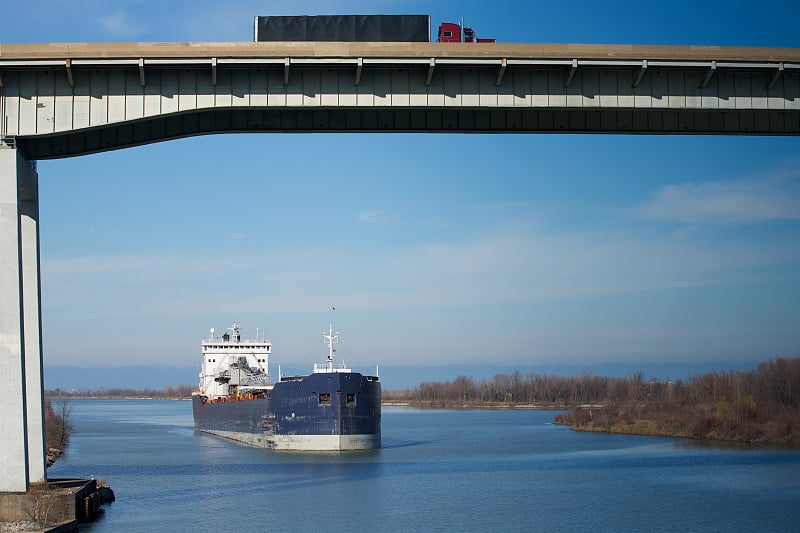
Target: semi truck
(353, 28)
(450, 32)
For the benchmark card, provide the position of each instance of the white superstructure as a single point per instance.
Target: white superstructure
(233, 367)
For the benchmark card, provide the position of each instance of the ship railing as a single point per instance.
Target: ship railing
(324, 367)
(249, 389)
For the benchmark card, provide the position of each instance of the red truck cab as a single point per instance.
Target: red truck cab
(449, 32)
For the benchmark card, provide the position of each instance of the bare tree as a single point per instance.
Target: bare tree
(39, 504)
(58, 427)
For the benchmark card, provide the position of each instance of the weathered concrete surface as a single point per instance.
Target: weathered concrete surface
(395, 50)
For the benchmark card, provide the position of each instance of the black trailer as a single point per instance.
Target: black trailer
(344, 28)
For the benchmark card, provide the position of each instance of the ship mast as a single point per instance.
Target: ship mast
(331, 338)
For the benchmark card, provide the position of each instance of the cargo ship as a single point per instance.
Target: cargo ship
(332, 408)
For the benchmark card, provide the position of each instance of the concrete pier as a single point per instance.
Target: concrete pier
(22, 418)
(57, 505)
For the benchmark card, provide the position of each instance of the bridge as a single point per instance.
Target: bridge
(63, 100)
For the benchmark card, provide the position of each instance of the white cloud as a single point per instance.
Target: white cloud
(496, 267)
(119, 25)
(744, 201)
(373, 216)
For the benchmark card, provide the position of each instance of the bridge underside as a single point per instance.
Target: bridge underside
(463, 120)
(51, 111)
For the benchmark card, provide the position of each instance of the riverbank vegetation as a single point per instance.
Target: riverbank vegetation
(761, 405)
(57, 428)
(757, 406)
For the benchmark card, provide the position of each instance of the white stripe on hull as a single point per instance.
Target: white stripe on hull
(303, 442)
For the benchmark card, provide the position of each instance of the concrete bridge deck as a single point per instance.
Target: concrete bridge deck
(65, 99)
(134, 50)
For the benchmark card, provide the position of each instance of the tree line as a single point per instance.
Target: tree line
(517, 388)
(169, 392)
(758, 405)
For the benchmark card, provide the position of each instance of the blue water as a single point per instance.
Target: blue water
(439, 470)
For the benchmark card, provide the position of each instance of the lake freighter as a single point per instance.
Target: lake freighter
(333, 408)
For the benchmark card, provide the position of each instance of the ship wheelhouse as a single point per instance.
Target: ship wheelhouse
(233, 367)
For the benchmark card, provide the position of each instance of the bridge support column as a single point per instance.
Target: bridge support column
(32, 313)
(22, 454)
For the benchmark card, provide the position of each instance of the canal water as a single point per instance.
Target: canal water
(439, 470)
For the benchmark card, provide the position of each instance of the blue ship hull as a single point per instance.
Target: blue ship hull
(321, 411)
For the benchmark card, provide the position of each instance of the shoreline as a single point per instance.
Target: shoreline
(645, 428)
(708, 440)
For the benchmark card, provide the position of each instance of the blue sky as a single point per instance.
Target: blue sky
(502, 250)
